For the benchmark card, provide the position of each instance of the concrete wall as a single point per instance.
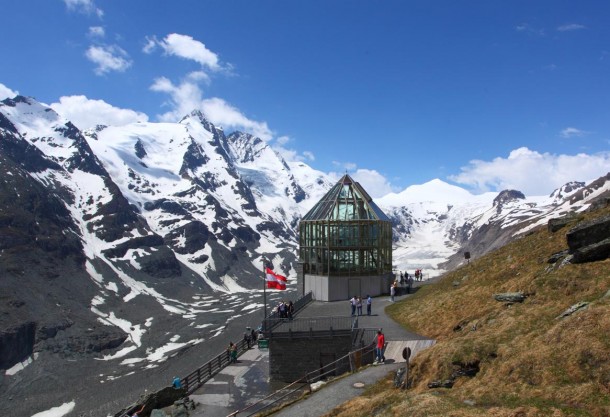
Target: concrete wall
(291, 359)
(300, 280)
(338, 288)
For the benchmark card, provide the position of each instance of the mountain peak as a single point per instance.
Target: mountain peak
(12, 102)
(566, 190)
(434, 190)
(201, 118)
(507, 196)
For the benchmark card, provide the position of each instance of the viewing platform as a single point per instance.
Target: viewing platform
(240, 385)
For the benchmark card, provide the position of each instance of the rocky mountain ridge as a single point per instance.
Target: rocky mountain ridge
(131, 244)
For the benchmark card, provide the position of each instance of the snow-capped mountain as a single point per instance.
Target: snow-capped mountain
(436, 223)
(123, 246)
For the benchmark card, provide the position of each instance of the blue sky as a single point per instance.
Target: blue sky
(485, 94)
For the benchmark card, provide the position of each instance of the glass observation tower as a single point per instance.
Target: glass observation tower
(345, 245)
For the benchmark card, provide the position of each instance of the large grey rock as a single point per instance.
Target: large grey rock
(165, 397)
(560, 222)
(591, 253)
(588, 233)
(510, 297)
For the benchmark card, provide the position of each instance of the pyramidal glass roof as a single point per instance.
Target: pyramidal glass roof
(347, 200)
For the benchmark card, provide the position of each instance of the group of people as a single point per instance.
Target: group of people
(250, 338)
(356, 303)
(285, 310)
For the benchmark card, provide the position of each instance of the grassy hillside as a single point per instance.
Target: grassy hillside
(531, 363)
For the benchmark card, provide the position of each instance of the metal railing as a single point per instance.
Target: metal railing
(205, 372)
(209, 369)
(307, 324)
(351, 362)
(273, 319)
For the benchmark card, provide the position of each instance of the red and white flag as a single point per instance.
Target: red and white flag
(274, 280)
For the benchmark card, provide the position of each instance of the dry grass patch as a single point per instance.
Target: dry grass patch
(530, 362)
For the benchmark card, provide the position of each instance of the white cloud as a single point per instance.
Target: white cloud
(531, 172)
(347, 166)
(86, 113)
(527, 28)
(571, 132)
(570, 27)
(280, 146)
(184, 46)
(187, 96)
(309, 155)
(96, 32)
(84, 6)
(108, 58)
(6, 92)
(151, 45)
(283, 140)
(199, 76)
(221, 112)
(375, 183)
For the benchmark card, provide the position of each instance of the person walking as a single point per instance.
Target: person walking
(369, 304)
(392, 291)
(379, 348)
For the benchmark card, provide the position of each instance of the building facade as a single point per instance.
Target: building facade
(345, 245)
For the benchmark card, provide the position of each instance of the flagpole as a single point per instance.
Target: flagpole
(264, 296)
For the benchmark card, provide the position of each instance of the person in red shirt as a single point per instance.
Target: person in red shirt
(379, 349)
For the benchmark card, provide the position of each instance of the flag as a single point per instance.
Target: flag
(274, 280)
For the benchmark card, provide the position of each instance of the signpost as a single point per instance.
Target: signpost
(406, 354)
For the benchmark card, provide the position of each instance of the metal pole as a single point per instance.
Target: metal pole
(406, 384)
(264, 297)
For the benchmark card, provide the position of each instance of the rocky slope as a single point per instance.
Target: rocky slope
(121, 247)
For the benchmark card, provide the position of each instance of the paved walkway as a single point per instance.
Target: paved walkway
(246, 382)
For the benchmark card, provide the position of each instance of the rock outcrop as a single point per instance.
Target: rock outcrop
(590, 241)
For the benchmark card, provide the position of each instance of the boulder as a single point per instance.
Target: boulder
(588, 233)
(559, 223)
(165, 397)
(591, 253)
(510, 297)
(573, 309)
(441, 384)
